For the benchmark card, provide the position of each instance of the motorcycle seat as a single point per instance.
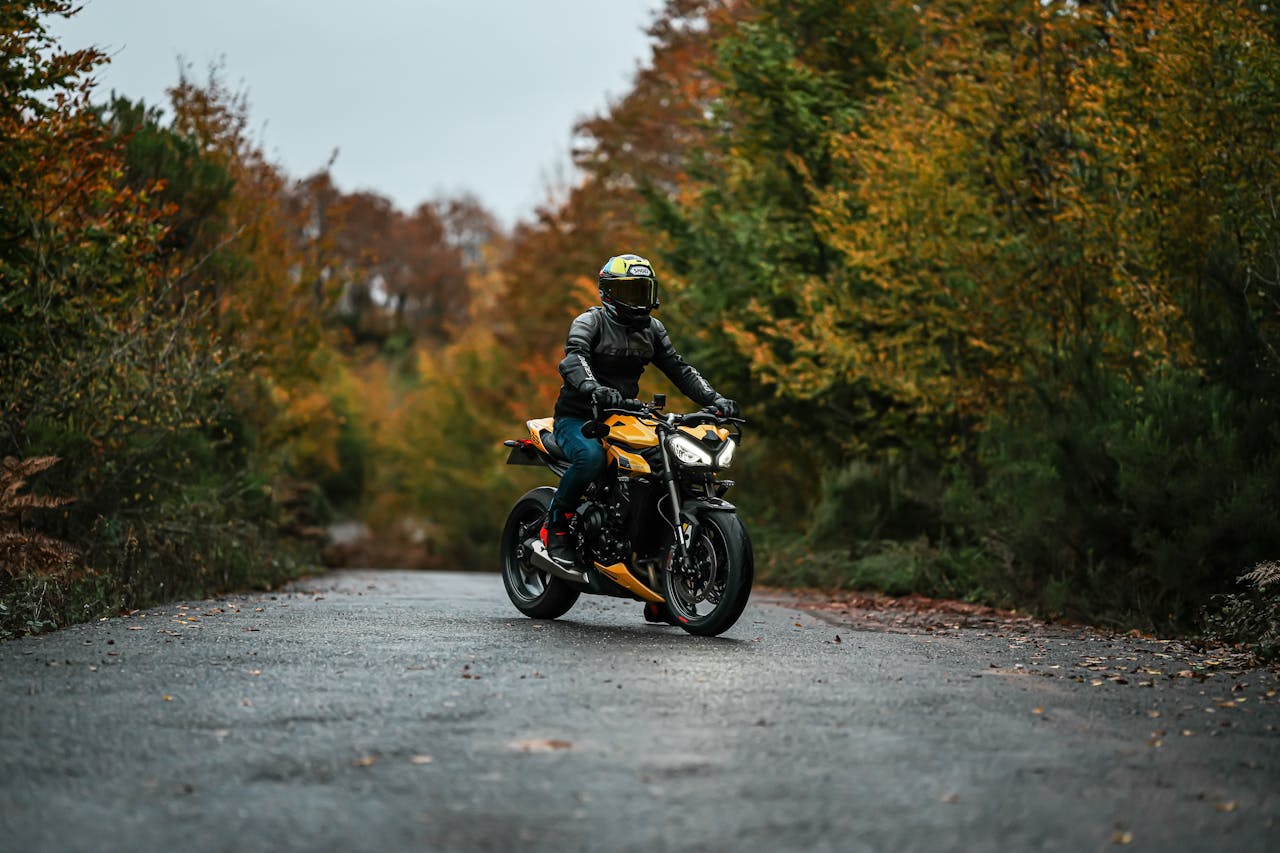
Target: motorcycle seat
(549, 442)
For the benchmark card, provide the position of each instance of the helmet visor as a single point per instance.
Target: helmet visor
(636, 292)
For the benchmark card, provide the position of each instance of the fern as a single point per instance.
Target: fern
(24, 552)
(1264, 574)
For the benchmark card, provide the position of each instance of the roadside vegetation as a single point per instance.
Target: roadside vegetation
(998, 283)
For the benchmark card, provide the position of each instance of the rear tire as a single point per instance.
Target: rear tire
(722, 552)
(535, 593)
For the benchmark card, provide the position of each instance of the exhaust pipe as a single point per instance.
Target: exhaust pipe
(539, 560)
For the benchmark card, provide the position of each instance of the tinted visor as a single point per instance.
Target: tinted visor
(636, 292)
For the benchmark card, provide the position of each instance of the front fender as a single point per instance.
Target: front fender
(693, 510)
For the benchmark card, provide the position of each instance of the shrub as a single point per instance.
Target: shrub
(1251, 617)
(1128, 503)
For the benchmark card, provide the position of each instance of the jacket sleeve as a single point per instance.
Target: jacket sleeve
(679, 371)
(575, 368)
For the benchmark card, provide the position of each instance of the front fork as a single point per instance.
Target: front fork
(673, 493)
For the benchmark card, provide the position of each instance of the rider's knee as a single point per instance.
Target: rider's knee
(593, 457)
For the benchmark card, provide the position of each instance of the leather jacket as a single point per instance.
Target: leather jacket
(600, 351)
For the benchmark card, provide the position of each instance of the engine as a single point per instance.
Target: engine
(600, 529)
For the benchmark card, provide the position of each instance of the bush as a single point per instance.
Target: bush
(1252, 617)
(1127, 503)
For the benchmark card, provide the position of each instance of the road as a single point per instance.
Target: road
(402, 711)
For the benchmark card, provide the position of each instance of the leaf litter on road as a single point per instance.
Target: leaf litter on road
(542, 745)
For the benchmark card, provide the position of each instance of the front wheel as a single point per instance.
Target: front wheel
(709, 598)
(534, 592)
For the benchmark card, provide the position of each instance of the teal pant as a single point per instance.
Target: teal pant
(586, 462)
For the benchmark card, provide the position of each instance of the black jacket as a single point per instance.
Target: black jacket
(602, 352)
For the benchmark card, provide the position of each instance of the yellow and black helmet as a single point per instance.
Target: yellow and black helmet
(628, 289)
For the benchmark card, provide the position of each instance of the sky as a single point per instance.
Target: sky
(421, 99)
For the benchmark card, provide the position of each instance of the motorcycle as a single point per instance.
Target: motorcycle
(654, 526)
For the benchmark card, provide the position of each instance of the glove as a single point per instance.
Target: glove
(726, 407)
(606, 397)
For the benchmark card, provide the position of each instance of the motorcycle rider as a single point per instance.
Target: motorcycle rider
(606, 352)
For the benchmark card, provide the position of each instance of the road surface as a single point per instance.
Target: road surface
(420, 711)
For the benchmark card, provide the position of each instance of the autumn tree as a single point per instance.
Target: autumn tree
(1043, 184)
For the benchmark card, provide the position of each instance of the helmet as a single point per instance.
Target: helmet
(628, 290)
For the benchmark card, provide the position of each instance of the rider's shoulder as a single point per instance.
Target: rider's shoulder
(590, 317)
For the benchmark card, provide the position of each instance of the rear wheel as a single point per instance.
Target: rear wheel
(534, 592)
(711, 596)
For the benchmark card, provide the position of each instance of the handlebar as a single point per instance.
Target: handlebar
(596, 428)
(635, 407)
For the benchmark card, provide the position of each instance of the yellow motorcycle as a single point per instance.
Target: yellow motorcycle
(653, 527)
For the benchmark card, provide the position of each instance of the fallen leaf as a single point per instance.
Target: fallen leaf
(950, 797)
(365, 761)
(542, 745)
(1228, 806)
(166, 697)
(255, 672)
(420, 759)
(1037, 710)
(1122, 838)
(1153, 713)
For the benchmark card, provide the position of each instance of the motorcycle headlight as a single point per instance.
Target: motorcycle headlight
(688, 451)
(726, 453)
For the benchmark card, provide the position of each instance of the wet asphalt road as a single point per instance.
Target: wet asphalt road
(393, 711)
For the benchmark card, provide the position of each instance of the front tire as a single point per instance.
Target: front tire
(709, 601)
(535, 593)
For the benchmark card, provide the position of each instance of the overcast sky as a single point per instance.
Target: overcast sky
(422, 98)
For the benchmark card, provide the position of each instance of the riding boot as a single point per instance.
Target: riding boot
(556, 539)
(659, 614)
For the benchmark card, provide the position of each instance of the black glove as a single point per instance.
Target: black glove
(726, 407)
(606, 397)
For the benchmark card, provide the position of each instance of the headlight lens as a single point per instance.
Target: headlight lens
(726, 453)
(688, 452)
